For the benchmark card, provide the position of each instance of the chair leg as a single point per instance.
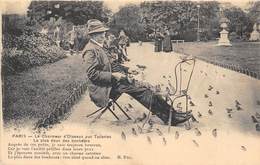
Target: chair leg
(128, 117)
(94, 112)
(99, 115)
(113, 113)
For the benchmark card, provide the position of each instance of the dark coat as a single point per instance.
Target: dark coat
(167, 44)
(100, 64)
(99, 73)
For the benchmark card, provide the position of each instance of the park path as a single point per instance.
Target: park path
(237, 140)
(233, 132)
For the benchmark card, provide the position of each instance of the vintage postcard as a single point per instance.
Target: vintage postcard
(130, 82)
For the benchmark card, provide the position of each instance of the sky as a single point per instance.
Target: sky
(20, 6)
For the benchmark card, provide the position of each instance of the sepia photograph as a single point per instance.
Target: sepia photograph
(131, 82)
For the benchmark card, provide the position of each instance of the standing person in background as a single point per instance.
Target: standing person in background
(167, 44)
(122, 42)
(158, 36)
(71, 35)
(57, 36)
(77, 42)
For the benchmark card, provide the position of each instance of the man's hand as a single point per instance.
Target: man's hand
(118, 75)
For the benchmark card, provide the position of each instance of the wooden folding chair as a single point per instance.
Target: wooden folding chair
(111, 108)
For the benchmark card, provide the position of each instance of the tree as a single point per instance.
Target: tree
(180, 16)
(239, 21)
(128, 18)
(78, 12)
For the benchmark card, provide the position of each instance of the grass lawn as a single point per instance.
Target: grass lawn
(33, 94)
(243, 54)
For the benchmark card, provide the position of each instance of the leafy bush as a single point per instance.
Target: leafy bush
(28, 50)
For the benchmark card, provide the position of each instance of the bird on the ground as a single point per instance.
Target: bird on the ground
(140, 130)
(214, 132)
(197, 132)
(129, 105)
(243, 148)
(164, 76)
(199, 115)
(254, 119)
(229, 115)
(257, 115)
(193, 119)
(191, 103)
(239, 107)
(210, 112)
(177, 135)
(123, 136)
(187, 126)
(149, 140)
(134, 132)
(201, 71)
(206, 96)
(210, 104)
(217, 92)
(229, 110)
(164, 141)
(237, 102)
(140, 119)
(206, 74)
(159, 132)
(258, 102)
(126, 109)
(141, 66)
(257, 127)
(224, 75)
(210, 88)
(195, 143)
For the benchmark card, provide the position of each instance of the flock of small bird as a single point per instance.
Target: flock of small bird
(170, 90)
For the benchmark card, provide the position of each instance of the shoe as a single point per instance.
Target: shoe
(184, 113)
(179, 119)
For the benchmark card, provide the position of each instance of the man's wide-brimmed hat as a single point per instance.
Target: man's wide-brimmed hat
(96, 26)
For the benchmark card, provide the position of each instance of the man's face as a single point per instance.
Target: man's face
(100, 37)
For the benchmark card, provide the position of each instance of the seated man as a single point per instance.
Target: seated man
(108, 80)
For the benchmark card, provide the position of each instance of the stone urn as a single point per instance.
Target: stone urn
(223, 40)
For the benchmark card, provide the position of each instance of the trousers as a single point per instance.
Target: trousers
(153, 102)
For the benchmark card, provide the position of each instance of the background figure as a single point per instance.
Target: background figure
(167, 44)
(57, 36)
(71, 35)
(122, 43)
(158, 40)
(77, 40)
